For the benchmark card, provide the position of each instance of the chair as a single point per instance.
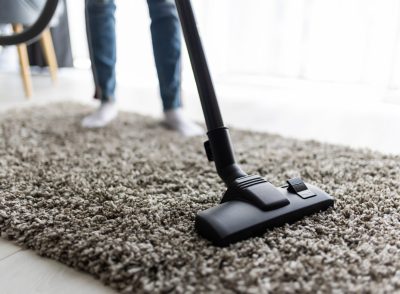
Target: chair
(24, 12)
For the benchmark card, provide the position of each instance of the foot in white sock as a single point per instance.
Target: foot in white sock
(177, 121)
(102, 116)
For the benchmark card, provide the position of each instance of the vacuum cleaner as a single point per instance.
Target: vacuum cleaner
(33, 32)
(251, 204)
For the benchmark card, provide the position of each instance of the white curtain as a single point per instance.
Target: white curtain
(331, 40)
(341, 41)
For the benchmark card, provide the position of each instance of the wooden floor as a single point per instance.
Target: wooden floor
(355, 115)
(23, 271)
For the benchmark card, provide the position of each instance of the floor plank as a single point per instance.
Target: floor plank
(26, 272)
(7, 249)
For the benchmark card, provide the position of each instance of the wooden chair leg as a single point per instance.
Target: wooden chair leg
(49, 54)
(24, 63)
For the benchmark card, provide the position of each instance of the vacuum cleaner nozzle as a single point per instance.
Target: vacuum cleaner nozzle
(252, 205)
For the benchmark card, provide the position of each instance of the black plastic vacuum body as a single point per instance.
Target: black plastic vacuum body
(251, 205)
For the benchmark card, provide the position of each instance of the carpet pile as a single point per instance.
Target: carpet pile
(119, 203)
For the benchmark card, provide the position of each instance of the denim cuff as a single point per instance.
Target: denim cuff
(98, 94)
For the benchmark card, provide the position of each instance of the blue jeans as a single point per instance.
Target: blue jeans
(165, 32)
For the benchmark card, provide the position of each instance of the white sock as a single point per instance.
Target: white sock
(102, 116)
(176, 120)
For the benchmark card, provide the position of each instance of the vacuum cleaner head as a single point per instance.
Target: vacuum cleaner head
(251, 205)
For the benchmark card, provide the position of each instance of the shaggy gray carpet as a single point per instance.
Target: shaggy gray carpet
(120, 202)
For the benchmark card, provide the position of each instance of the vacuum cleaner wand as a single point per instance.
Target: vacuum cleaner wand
(218, 147)
(251, 204)
(199, 64)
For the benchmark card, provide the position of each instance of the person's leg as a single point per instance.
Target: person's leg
(100, 26)
(166, 38)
